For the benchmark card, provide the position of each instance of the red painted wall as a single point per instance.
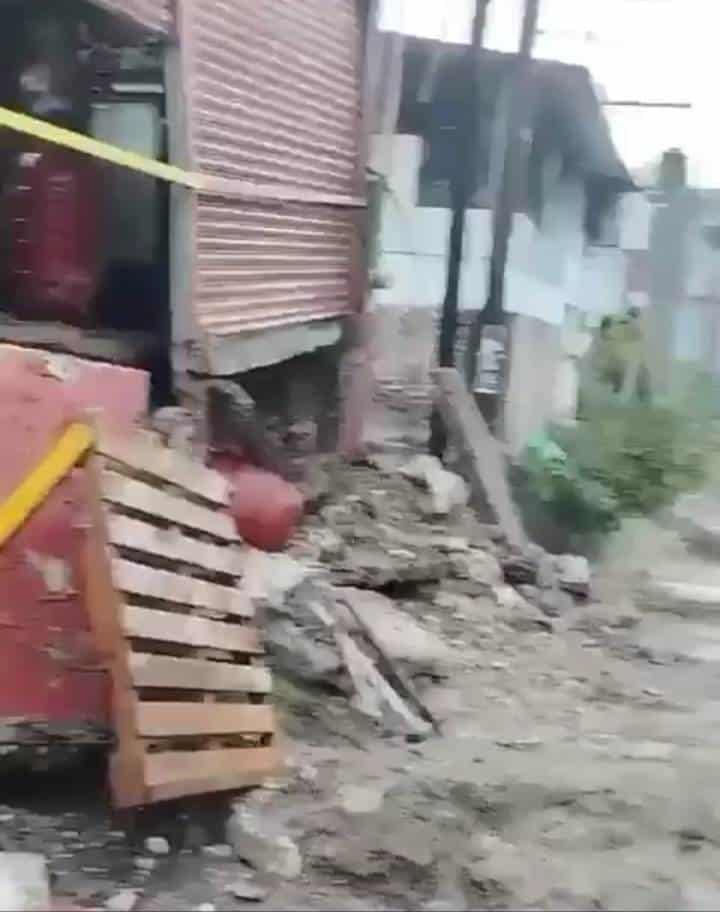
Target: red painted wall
(49, 672)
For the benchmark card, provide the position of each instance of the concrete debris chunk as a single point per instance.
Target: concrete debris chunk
(556, 602)
(448, 491)
(302, 653)
(157, 845)
(269, 578)
(375, 697)
(358, 799)
(399, 636)
(261, 846)
(546, 572)
(247, 891)
(573, 574)
(24, 882)
(125, 901)
(221, 851)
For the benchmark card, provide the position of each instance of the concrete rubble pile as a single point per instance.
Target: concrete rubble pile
(389, 550)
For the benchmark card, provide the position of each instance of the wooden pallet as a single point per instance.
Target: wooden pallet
(165, 600)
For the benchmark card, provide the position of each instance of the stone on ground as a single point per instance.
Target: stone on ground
(447, 490)
(358, 799)
(400, 637)
(247, 891)
(24, 883)
(125, 901)
(374, 697)
(157, 845)
(263, 848)
(573, 574)
(268, 578)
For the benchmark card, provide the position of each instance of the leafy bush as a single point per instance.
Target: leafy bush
(618, 460)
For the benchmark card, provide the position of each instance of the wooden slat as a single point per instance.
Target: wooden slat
(171, 544)
(144, 456)
(137, 579)
(143, 498)
(164, 720)
(103, 607)
(164, 626)
(196, 674)
(173, 774)
(479, 450)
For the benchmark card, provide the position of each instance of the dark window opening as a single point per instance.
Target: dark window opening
(84, 243)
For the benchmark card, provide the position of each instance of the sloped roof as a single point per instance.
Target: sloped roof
(563, 101)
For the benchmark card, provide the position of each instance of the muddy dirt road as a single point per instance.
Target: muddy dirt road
(577, 769)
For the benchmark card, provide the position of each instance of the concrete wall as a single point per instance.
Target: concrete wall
(537, 358)
(549, 265)
(551, 273)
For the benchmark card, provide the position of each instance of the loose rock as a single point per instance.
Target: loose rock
(24, 883)
(266, 851)
(157, 845)
(400, 637)
(448, 491)
(546, 573)
(356, 799)
(124, 901)
(217, 851)
(247, 891)
(573, 574)
(556, 602)
(269, 578)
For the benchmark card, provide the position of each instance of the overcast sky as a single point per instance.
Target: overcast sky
(646, 50)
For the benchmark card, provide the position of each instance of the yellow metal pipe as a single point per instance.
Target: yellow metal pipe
(34, 489)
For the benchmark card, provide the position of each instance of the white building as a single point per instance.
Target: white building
(566, 267)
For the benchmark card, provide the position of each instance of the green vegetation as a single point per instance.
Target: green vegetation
(627, 455)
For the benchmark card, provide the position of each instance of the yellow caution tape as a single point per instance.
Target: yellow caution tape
(241, 189)
(35, 488)
(31, 126)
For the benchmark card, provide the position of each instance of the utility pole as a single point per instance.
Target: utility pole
(462, 186)
(513, 148)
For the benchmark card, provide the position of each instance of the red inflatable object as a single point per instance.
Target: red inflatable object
(53, 214)
(266, 508)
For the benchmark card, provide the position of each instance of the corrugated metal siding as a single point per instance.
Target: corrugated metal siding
(274, 98)
(151, 14)
(260, 266)
(275, 91)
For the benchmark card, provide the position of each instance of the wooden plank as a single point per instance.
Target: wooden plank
(164, 720)
(143, 498)
(101, 599)
(165, 626)
(172, 545)
(387, 666)
(137, 579)
(143, 455)
(485, 460)
(176, 773)
(195, 674)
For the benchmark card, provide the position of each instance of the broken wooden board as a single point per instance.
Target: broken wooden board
(165, 599)
(482, 453)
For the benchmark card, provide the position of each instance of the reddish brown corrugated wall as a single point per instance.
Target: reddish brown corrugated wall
(262, 265)
(151, 14)
(273, 98)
